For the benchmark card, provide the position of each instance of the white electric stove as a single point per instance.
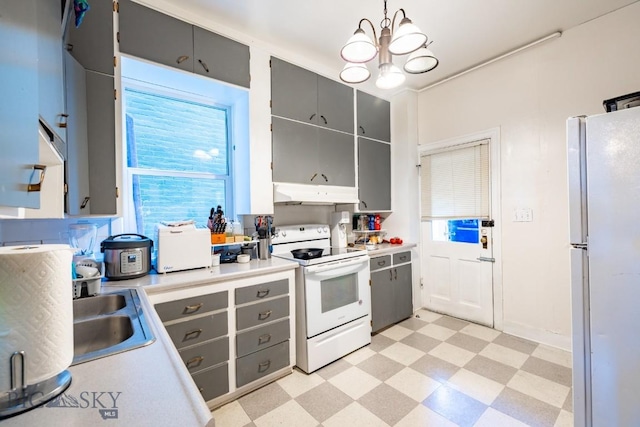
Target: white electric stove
(333, 298)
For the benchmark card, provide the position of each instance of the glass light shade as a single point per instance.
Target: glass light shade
(359, 48)
(390, 76)
(354, 73)
(406, 38)
(421, 61)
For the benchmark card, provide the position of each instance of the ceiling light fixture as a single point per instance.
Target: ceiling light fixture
(407, 39)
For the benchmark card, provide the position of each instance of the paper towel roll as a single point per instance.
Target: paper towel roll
(36, 310)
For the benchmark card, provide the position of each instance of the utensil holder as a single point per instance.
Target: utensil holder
(263, 248)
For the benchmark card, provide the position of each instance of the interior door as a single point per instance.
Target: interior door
(458, 266)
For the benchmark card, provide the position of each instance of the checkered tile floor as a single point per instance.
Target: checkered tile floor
(430, 370)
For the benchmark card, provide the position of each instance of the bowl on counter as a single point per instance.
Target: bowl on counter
(243, 258)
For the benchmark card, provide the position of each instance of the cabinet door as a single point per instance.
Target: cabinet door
(220, 58)
(335, 105)
(374, 117)
(50, 71)
(374, 175)
(382, 299)
(19, 105)
(336, 159)
(152, 35)
(295, 152)
(91, 44)
(101, 139)
(77, 161)
(403, 297)
(294, 92)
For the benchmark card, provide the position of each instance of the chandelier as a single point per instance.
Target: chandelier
(406, 39)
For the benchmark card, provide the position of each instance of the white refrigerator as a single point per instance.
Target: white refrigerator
(604, 208)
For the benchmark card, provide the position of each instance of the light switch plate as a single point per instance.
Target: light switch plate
(523, 215)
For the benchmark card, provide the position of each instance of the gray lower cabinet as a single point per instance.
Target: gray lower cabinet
(374, 175)
(199, 329)
(302, 95)
(391, 289)
(19, 103)
(307, 154)
(374, 117)
(262, 330)
(91, 43)
(152, 35)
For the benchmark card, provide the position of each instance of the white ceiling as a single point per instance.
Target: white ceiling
(464, 32)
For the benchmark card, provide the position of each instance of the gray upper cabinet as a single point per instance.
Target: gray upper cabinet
(50, 69)
(91, 44)
(152, 35)
(102, 148)
(220, 58)
(374, 117)
(19, 105)
(374, 175)
(302, 95)
(306, 154)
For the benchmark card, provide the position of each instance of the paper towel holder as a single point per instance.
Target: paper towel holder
(28, 396)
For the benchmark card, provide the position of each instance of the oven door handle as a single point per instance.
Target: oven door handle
(332, 266)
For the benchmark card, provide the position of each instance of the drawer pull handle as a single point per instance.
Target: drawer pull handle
(381, 263)
(181, 59)
(200, 389)
(395, 273)
(264, 366)
(402, 257)
(190, 309)
(264, 338)
(264, 315)
(390, 274)
(38, 185)
(194, 362)
(193, 334)
(263, 293)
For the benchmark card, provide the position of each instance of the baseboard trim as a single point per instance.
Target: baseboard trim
(543, 337)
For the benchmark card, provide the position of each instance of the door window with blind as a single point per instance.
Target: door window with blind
(455, 193)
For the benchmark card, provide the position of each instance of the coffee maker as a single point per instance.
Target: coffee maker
(339, 221)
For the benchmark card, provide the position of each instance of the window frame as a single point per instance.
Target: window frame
(129, 211)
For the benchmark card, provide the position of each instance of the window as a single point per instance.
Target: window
(179, 145)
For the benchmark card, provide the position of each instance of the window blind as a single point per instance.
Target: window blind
(455, 182)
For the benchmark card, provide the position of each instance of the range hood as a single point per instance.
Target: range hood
(288, 193)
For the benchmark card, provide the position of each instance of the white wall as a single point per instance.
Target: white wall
(530, 96)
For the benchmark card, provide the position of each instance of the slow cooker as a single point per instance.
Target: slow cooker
(126, 256)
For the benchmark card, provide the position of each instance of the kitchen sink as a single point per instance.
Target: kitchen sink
(108, 324)
(84, 308)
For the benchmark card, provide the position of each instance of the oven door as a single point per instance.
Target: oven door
(336, 293)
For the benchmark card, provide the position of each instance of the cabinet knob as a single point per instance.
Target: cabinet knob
(204, 65)
(192, 334)
(262, 293)
(264, 338)
(190, 309)
(38, 185)
(264, 315)
(263, 366)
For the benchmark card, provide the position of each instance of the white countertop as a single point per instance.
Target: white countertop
(150, 385)
(388, 248)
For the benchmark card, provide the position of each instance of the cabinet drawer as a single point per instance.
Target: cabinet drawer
(262, 291)
(262, 337)
(202, 356)
(401, 257)
(263, 312)
(189, 306)
(264, 362)
(198, 330)
(212, 382)
(379, 262)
